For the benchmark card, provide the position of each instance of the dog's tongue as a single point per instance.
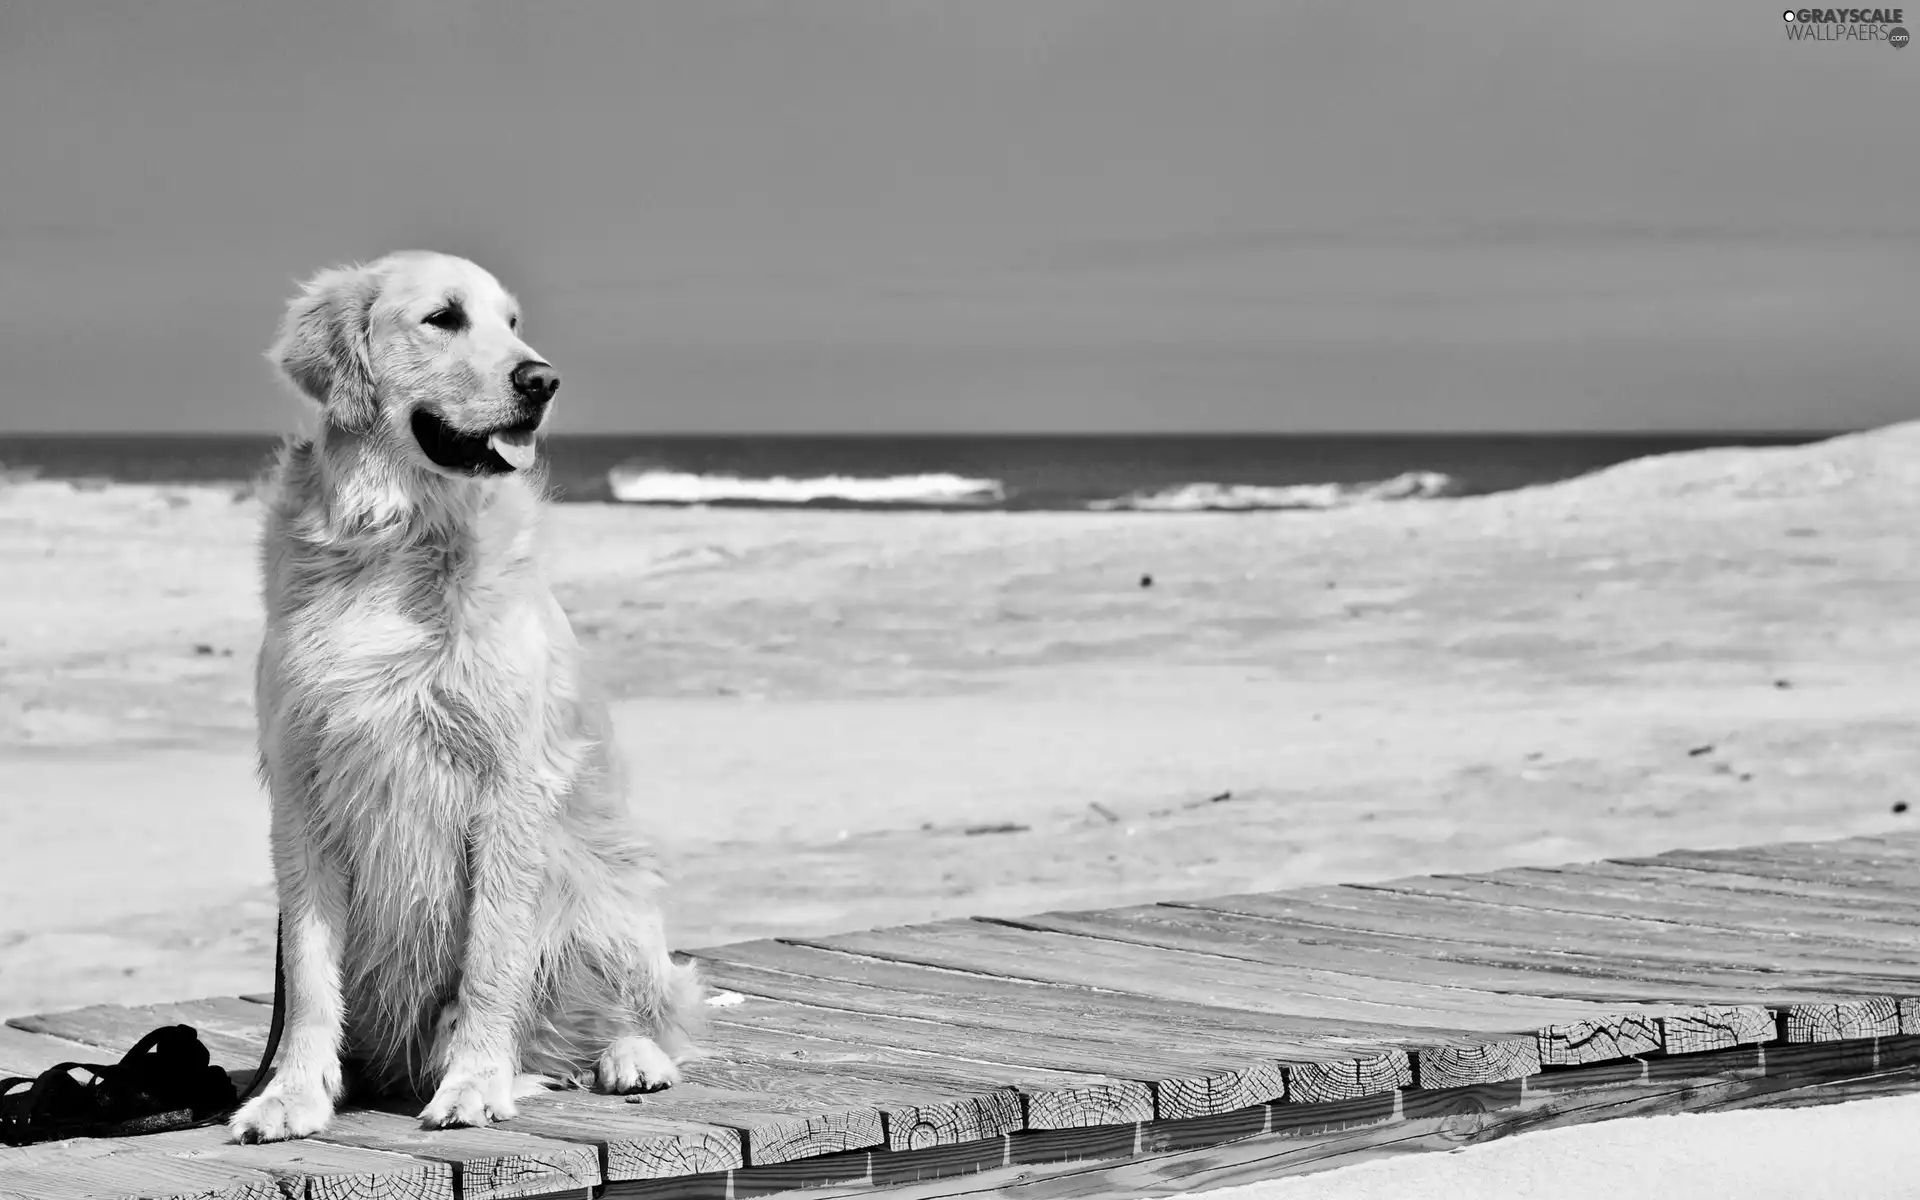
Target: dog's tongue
(516, 448)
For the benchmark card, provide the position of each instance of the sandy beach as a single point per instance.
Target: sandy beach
(846, 720)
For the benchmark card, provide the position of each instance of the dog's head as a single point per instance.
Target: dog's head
(421, 352)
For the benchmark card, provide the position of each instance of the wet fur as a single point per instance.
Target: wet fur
(464, 903)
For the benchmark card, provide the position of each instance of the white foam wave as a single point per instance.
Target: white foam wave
(679, 487)
(1240, 497)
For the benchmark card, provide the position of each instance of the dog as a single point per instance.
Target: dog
(467, 914)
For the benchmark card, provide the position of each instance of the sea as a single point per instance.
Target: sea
(1054, 473)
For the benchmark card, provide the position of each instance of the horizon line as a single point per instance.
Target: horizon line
(930, 435)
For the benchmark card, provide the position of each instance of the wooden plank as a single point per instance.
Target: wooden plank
(1599, 1041)
(633, 1145)
(1467, 1066)
(25, 1053)
(1263, 940)
(1837, 861)
(233, 1031)
(829, 978)
(919, 1109)
(1072, 1095)
(159, 1178)
(1405, 960)
(1332, 1083)
(1695, 908)
(489, 1164)
(774, 1128)
(1588, 971)
(1662, 941)
(192, 1161)
(1764, 867)
(1684, 885)
(1181, 975)
(1702, 969)
(1702, 1030)
(1712, 878)
(1910, 1015)
(1876, 1017)
(846, 1048)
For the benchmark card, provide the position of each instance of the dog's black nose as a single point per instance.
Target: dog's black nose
(535, 380)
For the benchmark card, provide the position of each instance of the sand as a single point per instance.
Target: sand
(847, 720)
(1845, 1152)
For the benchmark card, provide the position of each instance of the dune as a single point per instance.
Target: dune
(843, 720)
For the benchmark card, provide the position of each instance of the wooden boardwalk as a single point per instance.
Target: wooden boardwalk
(1147, 1050)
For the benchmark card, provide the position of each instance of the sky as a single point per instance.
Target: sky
(981, 215)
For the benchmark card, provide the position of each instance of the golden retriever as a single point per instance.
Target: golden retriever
(466, 912)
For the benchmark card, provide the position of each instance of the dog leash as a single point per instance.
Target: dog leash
(168, 1073)
(274, 1026)
(279, 1013)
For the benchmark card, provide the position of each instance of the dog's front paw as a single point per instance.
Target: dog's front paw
(471, 1096)
(634, 1064)
(284, 1110)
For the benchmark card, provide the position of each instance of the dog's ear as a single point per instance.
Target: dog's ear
(322, 346)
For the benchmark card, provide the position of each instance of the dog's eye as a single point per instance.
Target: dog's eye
(449, 318)
(513, 323)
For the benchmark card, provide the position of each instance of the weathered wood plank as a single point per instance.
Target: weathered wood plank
(1698, 969)
(1875, 1017)
(1182, 975)
(25, 1053)
(1494, 1061)
(635, 1146)
(1334, 1082)
(845, 1047)
(1558, 890)
(1404, 960)
(774, 1128)
(1598, 1041)
(829, 978)
(1706, 1029)
(1830, 876)
(1265, 940)
(1715, 879)
(1070, 1095)
(1910, 1015)
(233, 1031)
(489, 1164)
(193, 1161)
(919, 1109)
(1665, 942)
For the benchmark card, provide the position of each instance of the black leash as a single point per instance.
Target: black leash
(166, 1082)
(279, 1014)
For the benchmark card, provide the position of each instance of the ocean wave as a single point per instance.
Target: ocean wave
(652, 486)
(1241, 497)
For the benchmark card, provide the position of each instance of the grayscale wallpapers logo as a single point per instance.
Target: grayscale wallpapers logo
(1847, 25)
